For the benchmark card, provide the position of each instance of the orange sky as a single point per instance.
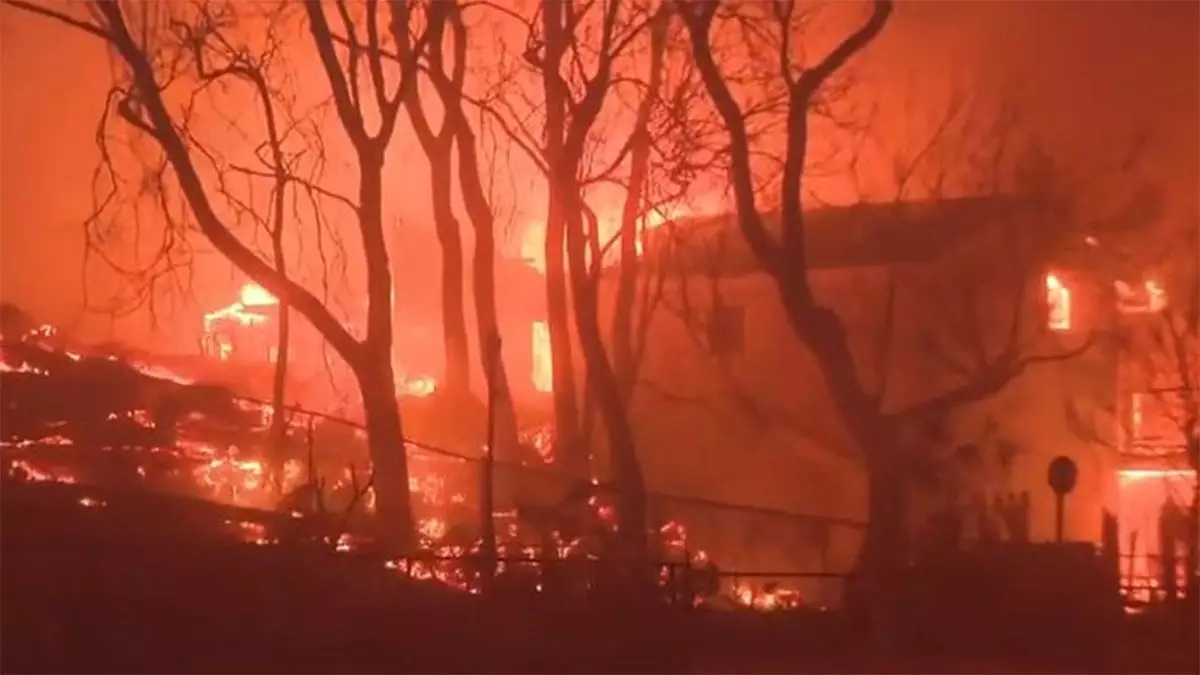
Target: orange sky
(1089, 75)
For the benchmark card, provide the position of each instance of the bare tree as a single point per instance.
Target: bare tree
(438, 149)
(877, 429)
(158, 47)
(457, 131)
(568, 121)
(633, 212)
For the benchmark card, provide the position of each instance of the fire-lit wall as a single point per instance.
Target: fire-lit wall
(756, 425)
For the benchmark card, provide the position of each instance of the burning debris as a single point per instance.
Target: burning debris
(97, 419)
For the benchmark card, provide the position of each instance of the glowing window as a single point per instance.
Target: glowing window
(543, 364)
(1058, 300)
(1150, 298)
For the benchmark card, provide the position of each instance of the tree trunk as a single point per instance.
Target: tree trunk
(631, 212)
(279, 393)
(873, 592)
(500, 399)
(385, 445)
(885, 541)
(604, 386)
(484, 279)
(569, 444)
(373, 368)
(283, 337)
(454, 327)
(570, 447)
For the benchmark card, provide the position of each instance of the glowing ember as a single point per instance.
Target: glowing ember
(22, 368)
(158, 372)
(541, 439)
(251, 532)
(442, 488)
(23, 470)
(766, 599)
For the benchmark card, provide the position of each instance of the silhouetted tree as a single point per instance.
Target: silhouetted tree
(570, 115)
(446, 22)
(876, 430)
(171, 45)
(439, 147)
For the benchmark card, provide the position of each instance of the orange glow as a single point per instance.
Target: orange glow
(1151, 298)
(1136, 417)
(1143, 493)
(1058, 299)
(1128, 475)
(418, 386)
(532, 248)
(543, 364)
(158, 372)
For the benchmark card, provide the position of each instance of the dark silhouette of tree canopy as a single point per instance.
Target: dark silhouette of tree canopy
(196, 45)
(876, 430)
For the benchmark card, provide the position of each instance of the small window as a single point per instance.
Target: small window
(726, 330)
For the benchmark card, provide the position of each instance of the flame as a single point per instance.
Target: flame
(440, 494)
(419, 387)
(1151, 298)
(1143, 493)
(532, 247)
(23, 367)
(543, 362)
(160, 373)
(253, 295)
(23, 470)
(766, 599)
(1058, 298)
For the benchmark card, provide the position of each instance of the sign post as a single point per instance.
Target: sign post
(1062, 476)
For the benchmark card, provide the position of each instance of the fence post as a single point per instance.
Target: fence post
(487, 495)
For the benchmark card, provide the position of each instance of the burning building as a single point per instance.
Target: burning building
(733, 408)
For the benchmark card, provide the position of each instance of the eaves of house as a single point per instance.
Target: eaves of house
(861, 235)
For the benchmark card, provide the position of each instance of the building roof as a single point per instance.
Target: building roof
(837, 237)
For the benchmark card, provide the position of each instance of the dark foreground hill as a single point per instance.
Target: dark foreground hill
(128, 583)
